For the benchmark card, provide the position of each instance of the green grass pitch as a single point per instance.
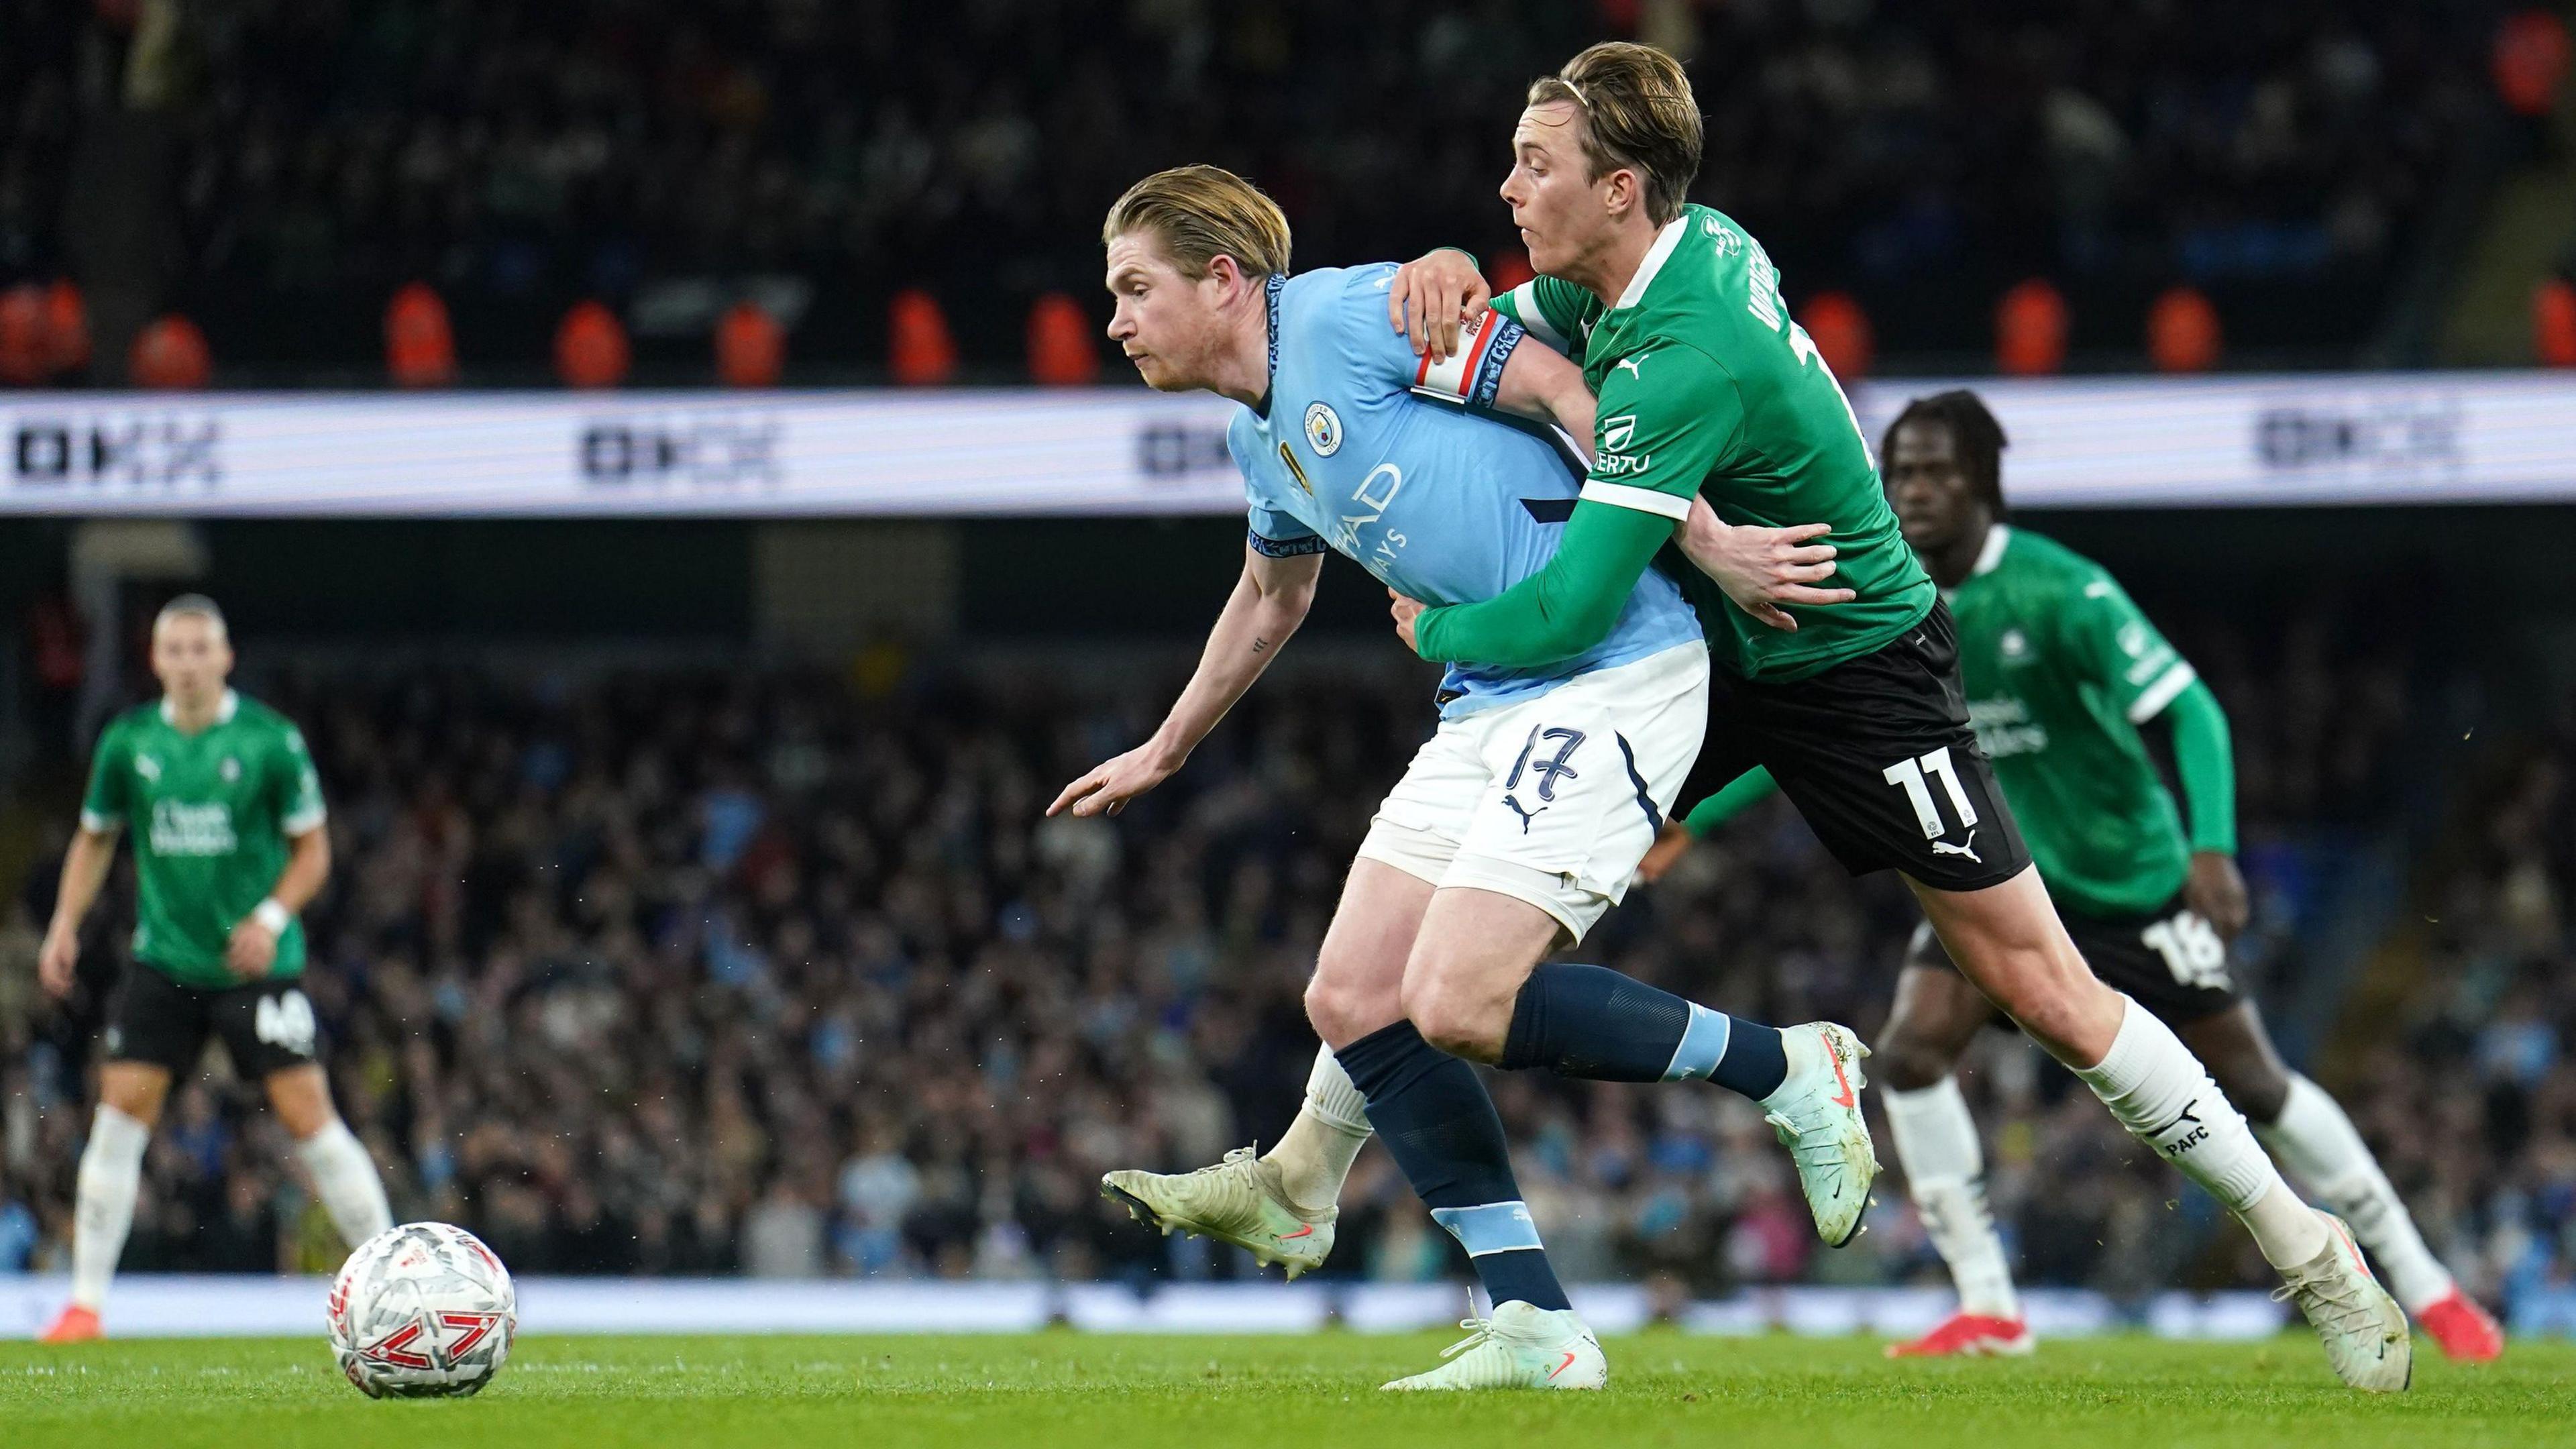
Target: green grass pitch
(1030, 1390)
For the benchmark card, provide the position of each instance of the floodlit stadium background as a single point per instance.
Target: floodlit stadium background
(665, 457)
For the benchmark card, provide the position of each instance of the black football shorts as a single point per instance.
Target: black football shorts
(1877, 754)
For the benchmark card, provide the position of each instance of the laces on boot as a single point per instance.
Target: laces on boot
(2341, 1303)
(1479, 1331)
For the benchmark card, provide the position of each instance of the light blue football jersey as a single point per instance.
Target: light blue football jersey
(1355, 454)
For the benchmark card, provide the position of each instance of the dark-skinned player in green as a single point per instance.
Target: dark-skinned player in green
(2063, 674)
(1708, 389)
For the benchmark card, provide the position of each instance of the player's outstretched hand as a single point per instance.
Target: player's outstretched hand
(1111, 784)
(55, 962)
(1405, 611)
(1671, 844)
(1431, 295)
(2215, 891)
(251, 951)
(1762, 568)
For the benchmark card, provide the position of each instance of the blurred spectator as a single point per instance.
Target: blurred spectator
(1921, 157)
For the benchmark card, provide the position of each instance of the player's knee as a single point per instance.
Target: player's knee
(1904, 1060)
(139, 1099)
(1343, 1009)
(2259, 1089)
(1450, 1017)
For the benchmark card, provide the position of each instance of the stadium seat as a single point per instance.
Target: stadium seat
(591, 348)
(2030, 329)
(171, 353)
(2553, 323)
(1061, 353)
(920, 350)
(1842, 333)
(66, 328)
(751, 348)
(22, 335)
(2183, 334)
(420, 346)
(2529, 62)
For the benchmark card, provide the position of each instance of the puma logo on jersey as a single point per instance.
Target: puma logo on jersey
(1526, 815)
(1967, 848)
(1630, 363)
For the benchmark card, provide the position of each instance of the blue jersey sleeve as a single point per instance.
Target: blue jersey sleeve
(1473, 375)
(1272, 532)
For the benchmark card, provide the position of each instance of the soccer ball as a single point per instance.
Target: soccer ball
(422, 1311)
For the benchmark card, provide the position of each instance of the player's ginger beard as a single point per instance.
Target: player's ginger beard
(1224, 348)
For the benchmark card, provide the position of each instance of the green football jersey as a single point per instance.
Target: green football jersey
(211, 814)
(2061, 669)
(1706, 386)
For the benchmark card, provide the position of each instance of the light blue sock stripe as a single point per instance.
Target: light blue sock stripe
(1703, 1045)
(1496, 1227)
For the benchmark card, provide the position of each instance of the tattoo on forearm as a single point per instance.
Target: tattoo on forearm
(1259, 644)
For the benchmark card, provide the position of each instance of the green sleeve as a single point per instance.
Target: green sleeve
(1741, 794)
(111, 778)
(2120, 651)
(1563, 609)
(294, 786)
(2206, 765)
(1550, 309)
(1667, 415)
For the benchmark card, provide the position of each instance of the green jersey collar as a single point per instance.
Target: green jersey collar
(225, 709)
(1656, 255)
(1998, 538)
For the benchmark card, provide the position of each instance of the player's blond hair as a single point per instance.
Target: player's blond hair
(1199, 213)
(1638, 114)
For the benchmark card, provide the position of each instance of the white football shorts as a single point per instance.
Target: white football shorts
(1554, 799)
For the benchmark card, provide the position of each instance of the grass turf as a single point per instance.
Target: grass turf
(1030, 1390)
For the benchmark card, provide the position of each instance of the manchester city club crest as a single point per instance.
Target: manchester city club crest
(1323, 429)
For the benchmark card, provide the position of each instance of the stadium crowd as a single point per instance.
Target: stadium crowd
(520, 157)
(783, 973)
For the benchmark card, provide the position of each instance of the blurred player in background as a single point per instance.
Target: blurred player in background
(2062, 671)
(229, 845)
(1517, 825)
(1706, 386)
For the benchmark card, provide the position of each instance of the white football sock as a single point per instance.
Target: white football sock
(1936, 1142)
(344, 1177)
(2164, 1096)
(1315, 1154)
(111, 1173)
(2321, 1151)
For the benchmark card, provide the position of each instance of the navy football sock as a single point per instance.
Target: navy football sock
(1435, 1117)
(1592, 1022)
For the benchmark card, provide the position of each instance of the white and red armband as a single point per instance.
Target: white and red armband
(1474, 373)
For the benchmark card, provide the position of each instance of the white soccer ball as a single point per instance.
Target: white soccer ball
(422, 1311)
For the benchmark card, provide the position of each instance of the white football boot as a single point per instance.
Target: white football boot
(1520, 1347)
(2363, 1329)
(1239, 1201)
(1816, 1112)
